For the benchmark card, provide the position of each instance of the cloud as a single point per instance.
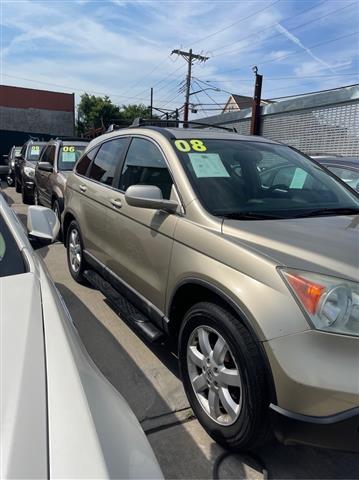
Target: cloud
(296, 41)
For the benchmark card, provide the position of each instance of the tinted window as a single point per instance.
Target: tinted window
(84, 162)
(68, 156)
(34, 152)
(233, 177)
(104, 166)
(145, 165)
(11, 261)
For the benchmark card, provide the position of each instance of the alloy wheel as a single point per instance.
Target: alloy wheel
(214, 375)
(75, 251)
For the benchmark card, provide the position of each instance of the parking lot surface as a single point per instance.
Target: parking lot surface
(147, 376)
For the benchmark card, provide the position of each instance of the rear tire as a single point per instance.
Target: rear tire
(75, 258)
(224, 377)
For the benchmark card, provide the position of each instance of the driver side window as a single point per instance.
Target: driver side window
(145, 165)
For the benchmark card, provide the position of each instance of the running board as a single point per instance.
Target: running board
(126, 309)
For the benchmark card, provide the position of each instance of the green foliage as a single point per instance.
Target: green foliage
(96, 112)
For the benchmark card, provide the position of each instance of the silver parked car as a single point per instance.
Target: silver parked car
(59, 416)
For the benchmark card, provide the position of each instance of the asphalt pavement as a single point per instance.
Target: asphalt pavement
(147, 376)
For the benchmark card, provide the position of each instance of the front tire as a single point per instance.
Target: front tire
(57, 211)
(26, 198)
(224, 377)
(17, 186)
(75, 258)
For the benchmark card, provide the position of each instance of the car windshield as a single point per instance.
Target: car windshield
(33, 152)
(258, 180)
(11, 261)
(69, 154)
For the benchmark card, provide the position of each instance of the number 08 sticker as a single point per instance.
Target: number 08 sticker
(187, 146)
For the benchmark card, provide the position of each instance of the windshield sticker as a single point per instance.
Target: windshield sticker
(68, 148)
(186, 146)
(207, 165)
(2, 247)
(299, 178)
(35, 150)
(68, 157)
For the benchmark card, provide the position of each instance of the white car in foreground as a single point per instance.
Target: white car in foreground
(60, 418)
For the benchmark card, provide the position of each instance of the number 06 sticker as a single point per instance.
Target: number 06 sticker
(187, 146)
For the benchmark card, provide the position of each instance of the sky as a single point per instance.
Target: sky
(123, 48)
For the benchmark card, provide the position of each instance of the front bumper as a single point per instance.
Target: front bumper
(339, 431)
(29, 184)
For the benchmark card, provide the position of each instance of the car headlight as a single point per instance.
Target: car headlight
(29, 171)
(331, 303)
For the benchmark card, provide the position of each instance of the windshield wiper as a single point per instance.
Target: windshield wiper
(249, 216)
(329, 211)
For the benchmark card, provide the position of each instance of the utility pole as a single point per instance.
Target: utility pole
(190, 58)
(151, 103)
(256, 103)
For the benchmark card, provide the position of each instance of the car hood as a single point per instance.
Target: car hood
(328, 245)
(23, 379)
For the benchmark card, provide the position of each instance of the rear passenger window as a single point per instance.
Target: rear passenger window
(104, 166)
(145, 165)
(84, 162)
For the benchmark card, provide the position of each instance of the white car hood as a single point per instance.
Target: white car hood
(23, 436)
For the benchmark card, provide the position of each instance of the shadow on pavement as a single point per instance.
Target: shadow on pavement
(165, 351)
(176, 449)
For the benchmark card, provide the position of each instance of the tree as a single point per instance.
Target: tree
(131, 112)
(97, 112)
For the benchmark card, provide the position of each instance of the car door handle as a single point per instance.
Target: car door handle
(83, 188)
(116, 202)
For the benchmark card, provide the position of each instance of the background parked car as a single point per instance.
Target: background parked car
(346, 168)
(11, 159)
(55, 163)
(25, 169)
(256, 278)
(60, 418)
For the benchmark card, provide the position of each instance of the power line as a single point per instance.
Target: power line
(70, 88)
(269, 27)
(232, 24)
(295, 52)
(190, 58)
(293, 28)
(309, 93)
(293, 77)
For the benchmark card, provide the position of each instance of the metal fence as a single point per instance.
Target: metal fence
(323, 122)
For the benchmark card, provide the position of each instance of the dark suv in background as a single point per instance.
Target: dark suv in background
(56, 161)
(25, 169)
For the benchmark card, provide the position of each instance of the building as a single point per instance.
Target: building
(325, 122)
(26, 112)
(239, 102)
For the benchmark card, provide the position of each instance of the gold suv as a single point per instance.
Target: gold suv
(244, 251)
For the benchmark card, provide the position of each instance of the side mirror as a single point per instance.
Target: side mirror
(45, 166)
(149, 196)
(5, 157)
(42, 224)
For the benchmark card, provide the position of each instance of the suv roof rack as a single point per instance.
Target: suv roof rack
(71, 139)
(156, 122)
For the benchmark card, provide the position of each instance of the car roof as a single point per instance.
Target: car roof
(181, 133)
